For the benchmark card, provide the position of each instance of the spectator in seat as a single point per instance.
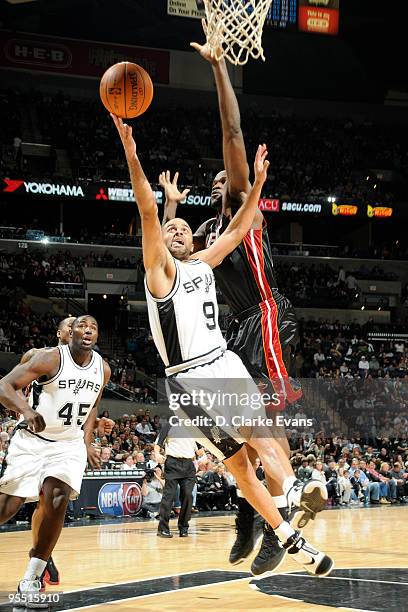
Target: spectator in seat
(144, 430)
(345, 486)
(331, 485)
(152, 491)
(305, 471)
(128, 463)
(318, 472)
(385, 495)
(216, 488)
(401, 478)
(373, 490)
(106, 461)
(363, 366)
(392, 484)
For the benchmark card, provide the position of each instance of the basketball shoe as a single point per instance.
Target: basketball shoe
(248, 527)
(313, 561)
(51, 574)
(29, 592)
(307, 499)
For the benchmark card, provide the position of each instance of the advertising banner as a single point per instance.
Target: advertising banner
(72, 57)
(111, 192)
(184, 8)
(319, 16)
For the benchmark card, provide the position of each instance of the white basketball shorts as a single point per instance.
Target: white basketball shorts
(225, 393)
(30, 460)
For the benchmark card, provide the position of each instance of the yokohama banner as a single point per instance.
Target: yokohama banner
(23, 51)
(319, 16)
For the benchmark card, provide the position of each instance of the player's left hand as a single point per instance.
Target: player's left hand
(204, 50)
(94, 456)
(261, 164)
(105, 426)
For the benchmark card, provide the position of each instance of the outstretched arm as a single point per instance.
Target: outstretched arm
(172, 194)
(242, 221)
(233, 145)
(158, 263)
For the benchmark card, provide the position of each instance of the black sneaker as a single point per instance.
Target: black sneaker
(313, 561)
(249, 530)
(270, 555)
(164, 534)
(51, 573)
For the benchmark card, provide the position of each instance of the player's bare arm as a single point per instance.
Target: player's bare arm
(242, 220)
(234, 153)
(173, 196)
(92, 422)
(43, 363)
(159, 265)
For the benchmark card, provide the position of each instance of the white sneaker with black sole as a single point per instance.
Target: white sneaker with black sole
(306, 499)
(313, 561)
(30, 595)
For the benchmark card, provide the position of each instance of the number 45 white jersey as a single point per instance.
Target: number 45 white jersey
(184, 324)
(66, 400)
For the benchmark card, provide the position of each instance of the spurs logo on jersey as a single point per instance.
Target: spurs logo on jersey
(66, 400)
(184, 324)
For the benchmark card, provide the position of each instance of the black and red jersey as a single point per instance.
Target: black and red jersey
(246, 276)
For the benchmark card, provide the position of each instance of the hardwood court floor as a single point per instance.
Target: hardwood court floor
(126, 564)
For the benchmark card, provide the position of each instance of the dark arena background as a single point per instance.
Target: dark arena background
(331, 103)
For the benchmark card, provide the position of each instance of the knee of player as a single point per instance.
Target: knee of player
(58, 500)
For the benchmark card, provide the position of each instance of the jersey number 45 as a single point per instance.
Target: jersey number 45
(71, 411)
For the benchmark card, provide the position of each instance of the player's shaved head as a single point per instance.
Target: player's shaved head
(178, 238)
(82, 318)
(64, 330)
(65, 323)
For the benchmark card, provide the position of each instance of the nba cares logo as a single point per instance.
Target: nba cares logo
(120, 498)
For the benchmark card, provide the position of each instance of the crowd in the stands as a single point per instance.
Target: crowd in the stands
(311, 157)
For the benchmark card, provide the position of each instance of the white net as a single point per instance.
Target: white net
(234, 28)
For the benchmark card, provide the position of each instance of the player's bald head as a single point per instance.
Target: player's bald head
(84, 318)
(178, 238)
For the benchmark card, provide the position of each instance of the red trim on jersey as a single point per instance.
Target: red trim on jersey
(277, 373)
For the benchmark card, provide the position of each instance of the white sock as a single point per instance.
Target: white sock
(284, 532)
(288, 483)
(280, 501)
(35, 568)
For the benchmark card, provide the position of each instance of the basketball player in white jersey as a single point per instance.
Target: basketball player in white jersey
(183, 315)
(53, 440)
(51, 575)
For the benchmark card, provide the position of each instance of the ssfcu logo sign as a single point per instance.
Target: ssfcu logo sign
(120, 498)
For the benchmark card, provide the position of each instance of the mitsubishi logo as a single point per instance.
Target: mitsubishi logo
(101, 195)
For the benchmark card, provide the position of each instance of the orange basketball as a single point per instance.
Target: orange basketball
(126, 90)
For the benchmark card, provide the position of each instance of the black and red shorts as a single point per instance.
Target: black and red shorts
(265, 337)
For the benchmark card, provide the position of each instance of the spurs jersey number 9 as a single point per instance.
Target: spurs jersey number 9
(66, 400)
(184, 324)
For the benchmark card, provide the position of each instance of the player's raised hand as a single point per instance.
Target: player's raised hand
(261, 164)
(204, 50)
(125, 133)
(35, 421)
(171, 190)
